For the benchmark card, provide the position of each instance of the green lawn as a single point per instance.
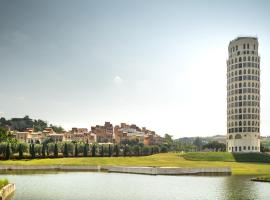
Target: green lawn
(163, 159)
(229, 157)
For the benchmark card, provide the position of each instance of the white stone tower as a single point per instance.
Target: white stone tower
(243, 95)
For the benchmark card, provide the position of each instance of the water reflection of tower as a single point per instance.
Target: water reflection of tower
(238, 188)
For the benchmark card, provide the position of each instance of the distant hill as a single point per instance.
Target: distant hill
(205, 140)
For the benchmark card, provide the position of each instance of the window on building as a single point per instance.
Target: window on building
(238, 136)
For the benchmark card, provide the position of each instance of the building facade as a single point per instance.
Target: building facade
(104, 134)
(243, 95)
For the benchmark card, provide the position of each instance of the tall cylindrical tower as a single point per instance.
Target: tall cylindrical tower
(243, 95)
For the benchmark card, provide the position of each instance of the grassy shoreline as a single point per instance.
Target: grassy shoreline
(262, 179)
(159, 160)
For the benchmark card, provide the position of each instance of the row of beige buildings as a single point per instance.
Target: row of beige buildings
(107, 133)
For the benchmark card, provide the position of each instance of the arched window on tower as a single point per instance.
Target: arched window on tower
(238, 136)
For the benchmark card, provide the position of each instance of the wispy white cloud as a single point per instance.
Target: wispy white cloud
(118, 80)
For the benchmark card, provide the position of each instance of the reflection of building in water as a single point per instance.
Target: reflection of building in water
(238, 188)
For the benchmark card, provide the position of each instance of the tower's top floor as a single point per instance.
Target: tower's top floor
(243, 45)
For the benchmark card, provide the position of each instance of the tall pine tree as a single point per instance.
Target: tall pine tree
(85, 150)
(116, 150)
(76, 150)
(55, 150)
(110, 151)
(7, 153)
(125, 150)
(65, 150)
(93, 151)
(20, 152)
(102, 151)
(33, 154)
(30, 149)
(43, 150)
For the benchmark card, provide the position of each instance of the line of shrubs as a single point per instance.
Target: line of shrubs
(72, 149)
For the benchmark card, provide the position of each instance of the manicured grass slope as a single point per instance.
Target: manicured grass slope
(228, 157)
(163, 160)
(209, 156)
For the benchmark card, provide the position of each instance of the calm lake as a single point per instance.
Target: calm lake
(113, 186)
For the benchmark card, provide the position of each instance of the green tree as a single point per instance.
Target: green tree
(55, 150)
(38, 149)
(152, 150)
(85, 150)
(164, 149)
(50, 148)
(39, 125)
(80, 148)
(215, 146)
(20, 124)
(70, 147)
(156, 149)
(146, 150)
(47, 150)
(4, 122)
(93, 151)
(57, 129)
(116, 150)
(33, 153)
(198, 143)
(3, 134)
(30, 149)
(76, 150)
(20, 151)
(43, 151)
(65, 150)
(136, 150)
(7, 154)
(102, 151)
(3, 147)
(110, 150)
(125, 150)
(168, 140)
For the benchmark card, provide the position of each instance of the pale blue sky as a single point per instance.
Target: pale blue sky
(159, 64)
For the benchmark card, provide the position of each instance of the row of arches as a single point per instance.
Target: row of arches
(237, 136)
